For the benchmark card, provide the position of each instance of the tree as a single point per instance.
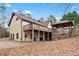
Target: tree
(2, 20)
(75, 17)
(52, 18)
(71, 17)
(42, 18)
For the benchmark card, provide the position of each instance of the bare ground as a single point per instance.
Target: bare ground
(64, 47)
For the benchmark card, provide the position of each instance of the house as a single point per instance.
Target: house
(24, 28)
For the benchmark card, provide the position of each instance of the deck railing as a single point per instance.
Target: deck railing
(35, 27)
(27, 27)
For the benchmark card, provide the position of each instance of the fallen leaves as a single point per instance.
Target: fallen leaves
(62, 47)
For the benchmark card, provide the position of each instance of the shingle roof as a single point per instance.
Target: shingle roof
(60, 22)
(26, 18)
(63, 23)
(46, 23)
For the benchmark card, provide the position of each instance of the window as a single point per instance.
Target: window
(17, 36)
(13, 36)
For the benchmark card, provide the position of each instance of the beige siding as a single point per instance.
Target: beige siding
(25, 23)
(15, 27)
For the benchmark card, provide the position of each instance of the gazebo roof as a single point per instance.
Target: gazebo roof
(62, 24)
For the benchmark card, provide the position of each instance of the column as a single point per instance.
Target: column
(32, 33)
(69, 31)
(38, 35)
(48, 36)
(43, 35)
(52, 33)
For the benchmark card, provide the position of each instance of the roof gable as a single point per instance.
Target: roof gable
(11, 19)
(29, 19)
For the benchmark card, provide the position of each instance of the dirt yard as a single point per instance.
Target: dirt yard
(66, 47)
(6, 43)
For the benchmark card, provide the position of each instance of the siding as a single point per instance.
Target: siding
(15, 27)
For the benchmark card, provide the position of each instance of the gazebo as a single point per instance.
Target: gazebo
(61, 26)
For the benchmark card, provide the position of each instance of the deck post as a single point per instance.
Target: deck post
(38, 35)
(48, 36)
(43, 35)
(21, 31)
(69, 31)
(32, 33)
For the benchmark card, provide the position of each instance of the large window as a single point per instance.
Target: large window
(17, 35)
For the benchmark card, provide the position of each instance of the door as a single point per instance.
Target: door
(25, 36)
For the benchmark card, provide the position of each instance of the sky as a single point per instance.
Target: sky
(38, 10)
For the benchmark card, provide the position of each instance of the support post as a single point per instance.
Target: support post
(48, 36)
(69, 31)
(38, 35)
(43, 35)
(32, 33)
(21, 31)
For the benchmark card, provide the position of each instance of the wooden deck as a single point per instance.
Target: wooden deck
(36, 27)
